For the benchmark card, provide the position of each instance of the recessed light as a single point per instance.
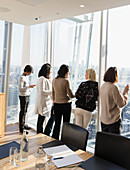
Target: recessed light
(82, 6)
(37, 18)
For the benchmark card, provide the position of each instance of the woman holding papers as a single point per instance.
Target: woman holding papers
(61, 94)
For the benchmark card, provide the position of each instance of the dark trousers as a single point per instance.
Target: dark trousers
(61, 110)
(112, 128)
(24, 101)
(49, 125)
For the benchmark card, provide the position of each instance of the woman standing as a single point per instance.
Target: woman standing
(61, 94)
(43, 102)
(86, 96)
(111, 102)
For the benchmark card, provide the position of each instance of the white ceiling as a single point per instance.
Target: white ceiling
(25, 11)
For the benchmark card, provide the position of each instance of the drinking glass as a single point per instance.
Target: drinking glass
(49, 156)
(49, 159)
(12, 152)
(17, 158)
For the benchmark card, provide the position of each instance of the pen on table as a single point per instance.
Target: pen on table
(58, 158)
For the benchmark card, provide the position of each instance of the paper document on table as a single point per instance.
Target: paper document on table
(66, 155)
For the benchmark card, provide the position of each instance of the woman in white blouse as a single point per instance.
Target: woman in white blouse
(43, 103)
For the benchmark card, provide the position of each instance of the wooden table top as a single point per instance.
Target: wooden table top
(34, 142)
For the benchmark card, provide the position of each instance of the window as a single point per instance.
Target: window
(119, 53)
(15, 72)
(76, 43)
(38, 45)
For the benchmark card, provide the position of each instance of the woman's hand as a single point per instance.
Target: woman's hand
(126, 89)
(31, 86)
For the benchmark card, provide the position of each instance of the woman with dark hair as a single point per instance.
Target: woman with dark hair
(61, 94)
(43, 102)
(111, 102)
(24, 94)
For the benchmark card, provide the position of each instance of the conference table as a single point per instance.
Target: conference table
(34, 142)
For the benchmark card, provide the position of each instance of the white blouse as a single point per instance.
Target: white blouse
(43, 101)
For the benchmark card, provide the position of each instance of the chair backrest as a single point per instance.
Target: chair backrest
(114, 148)
(74, 135)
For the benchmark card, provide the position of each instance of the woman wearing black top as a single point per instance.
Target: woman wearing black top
(86, 96)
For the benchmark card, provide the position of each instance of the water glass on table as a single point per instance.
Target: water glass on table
(12, 152)
(49, 157)
(17, 158)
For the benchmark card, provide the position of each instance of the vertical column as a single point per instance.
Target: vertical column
(26, 47)
(102, 56)
(48, 42)
(8, 58)
(52, 44)
(107, 18)
(4, 55)
(100, 68)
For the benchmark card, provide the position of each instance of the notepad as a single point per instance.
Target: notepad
(69, 156)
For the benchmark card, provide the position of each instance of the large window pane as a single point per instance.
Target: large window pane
(119, 54)
(76, 43)
(38, 45)
(15, 72)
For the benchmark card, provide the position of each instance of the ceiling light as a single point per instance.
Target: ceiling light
(37, 18)
(82, 6)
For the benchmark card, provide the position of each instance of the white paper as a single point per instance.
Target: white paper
(69, 157)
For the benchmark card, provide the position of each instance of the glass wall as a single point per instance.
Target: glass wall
(76, 43)
(119, 53)
(15, 72)
(38, 47)
(2, 27)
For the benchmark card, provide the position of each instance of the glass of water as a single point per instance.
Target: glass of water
(40, 164)
(49, 156)
(17, 158)
(49, 159)
(12, 152)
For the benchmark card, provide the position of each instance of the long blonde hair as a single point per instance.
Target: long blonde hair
(91, 74)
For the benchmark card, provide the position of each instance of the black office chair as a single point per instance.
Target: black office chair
(114, 148)
(74, 135)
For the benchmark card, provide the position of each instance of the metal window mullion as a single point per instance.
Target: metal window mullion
(52, 44)
(48, 42)
(8, 57)
(100, 69)
(4, 56)
(77, 55)
(89, 40)
(106, 40)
